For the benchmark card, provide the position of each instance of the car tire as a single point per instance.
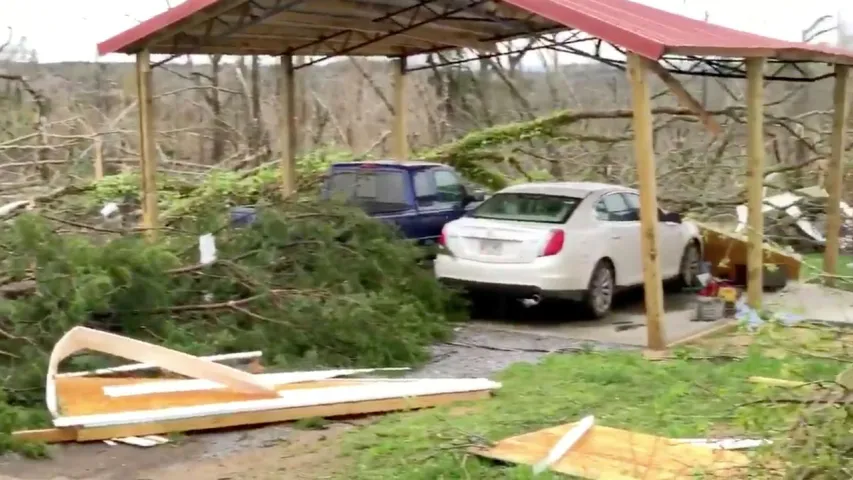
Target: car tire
(601, 289)
(688, 269)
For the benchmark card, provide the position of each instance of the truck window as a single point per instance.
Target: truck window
(376, 191)
(448, 186)
(425, 191)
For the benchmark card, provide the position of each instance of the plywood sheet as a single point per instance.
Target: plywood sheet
(85, 395)
(724, 250)
(614, 454)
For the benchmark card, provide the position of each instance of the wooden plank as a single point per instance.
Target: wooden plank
(47, 435)
(755, 179)
(685, 98)
(147, 144)
(287, 125)
(277, 416)
(85, 396)
(615, 454)
(401, 144)
(159, 410)
(645, 158)
(835, 174)
(728, 326)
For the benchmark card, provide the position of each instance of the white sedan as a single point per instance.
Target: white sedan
(562, 240)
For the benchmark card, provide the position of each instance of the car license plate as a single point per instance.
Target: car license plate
(490, 247)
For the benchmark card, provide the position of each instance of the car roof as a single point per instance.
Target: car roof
(404, 165)
(568, 189)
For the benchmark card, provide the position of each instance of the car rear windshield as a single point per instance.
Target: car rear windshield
(527, 207)
(375, 191)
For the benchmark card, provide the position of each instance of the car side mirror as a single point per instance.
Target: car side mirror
(472, 196)
(669, 217)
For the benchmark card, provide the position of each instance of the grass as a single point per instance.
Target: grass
(813, 266)
(684, 397)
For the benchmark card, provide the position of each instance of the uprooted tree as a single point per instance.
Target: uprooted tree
(309, 284)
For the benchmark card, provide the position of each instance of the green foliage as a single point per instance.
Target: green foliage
(470, 153)
(694, 395)
(311, 284)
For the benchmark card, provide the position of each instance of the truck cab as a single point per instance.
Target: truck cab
(418, 197)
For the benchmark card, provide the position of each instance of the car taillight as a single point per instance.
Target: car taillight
(555, 243)
(442, 238)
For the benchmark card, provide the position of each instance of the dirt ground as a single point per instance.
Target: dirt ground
(279, 452)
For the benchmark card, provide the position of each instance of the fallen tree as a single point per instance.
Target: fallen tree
(310, 284)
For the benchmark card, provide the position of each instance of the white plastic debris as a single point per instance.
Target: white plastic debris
(109, 209)
(564, 444)
(207, 248)
(725, 443)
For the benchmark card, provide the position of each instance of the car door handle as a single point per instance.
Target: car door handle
(616, 237)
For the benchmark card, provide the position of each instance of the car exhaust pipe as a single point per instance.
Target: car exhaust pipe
(532, 301)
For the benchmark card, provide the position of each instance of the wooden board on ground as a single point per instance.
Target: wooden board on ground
(615, 454)
(57, 435)
(725, 250)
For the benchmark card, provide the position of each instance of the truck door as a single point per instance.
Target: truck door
(439, 196)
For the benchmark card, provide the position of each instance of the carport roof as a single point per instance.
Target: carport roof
(409, 27)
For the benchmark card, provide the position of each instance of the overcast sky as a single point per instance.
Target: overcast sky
(68, 30)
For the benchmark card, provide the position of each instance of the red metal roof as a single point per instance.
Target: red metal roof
(638, 28)
(652, 32)
(153, 25)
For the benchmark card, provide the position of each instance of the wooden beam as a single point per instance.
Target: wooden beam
(400, 148)
(283, 25)
(755, 179)
(147, 145)
(287, 125)
(685, 98)
(645, 158)
(835, 174)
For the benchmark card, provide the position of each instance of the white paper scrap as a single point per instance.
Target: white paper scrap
(109, 209)
(207, 249)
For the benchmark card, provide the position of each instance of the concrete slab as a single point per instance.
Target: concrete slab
(813, 302)
(625, 325)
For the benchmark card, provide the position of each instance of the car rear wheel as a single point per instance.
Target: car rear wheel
(689, 269)
(601, 289)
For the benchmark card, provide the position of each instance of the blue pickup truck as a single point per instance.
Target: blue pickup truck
(417, 197)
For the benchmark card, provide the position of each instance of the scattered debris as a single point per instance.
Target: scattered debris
(140, 367)
(109, 209)
(565, 444)
(725, 443)
(206, 249)
(86, 408)
(777, 382)
(145, 442)
(726, 251)
(605, 452)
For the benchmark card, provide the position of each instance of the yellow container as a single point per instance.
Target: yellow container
(729, 294)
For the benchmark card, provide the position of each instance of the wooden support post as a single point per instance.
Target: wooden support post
(835, 174)
(400, 148)
(287, 125)
(755, 179)
(147, 145)
(645, 158)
